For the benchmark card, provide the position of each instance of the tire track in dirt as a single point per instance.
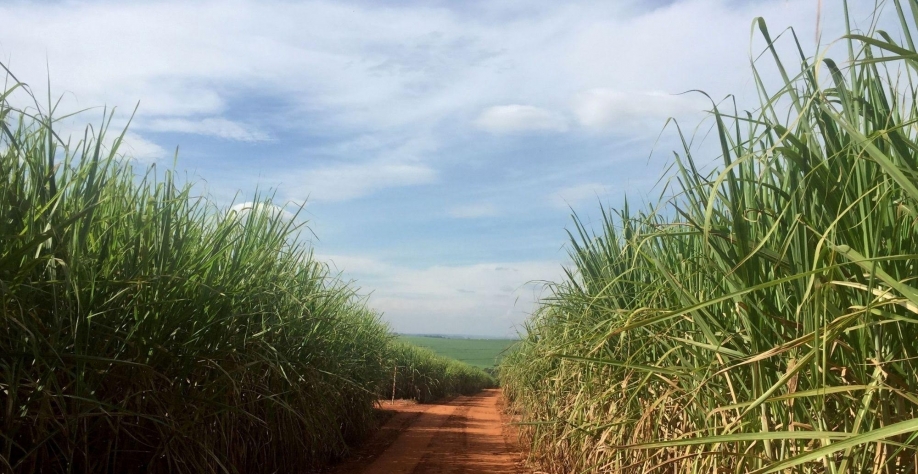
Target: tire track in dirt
(410, 446)
(463, 435)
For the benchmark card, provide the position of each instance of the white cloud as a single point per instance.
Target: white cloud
(88, 126)
(480, 299)
(364, 65)
(139, 148)
(373, 164)
(519, 118)
(572, 195)
(243, 209)
(395, 85)
(630, 112)
(472, 211)
(212, 126)
(354, 265)
(352, 180)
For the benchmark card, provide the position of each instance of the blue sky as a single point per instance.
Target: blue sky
(439, 146)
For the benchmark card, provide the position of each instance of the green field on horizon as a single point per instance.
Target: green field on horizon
(484, 353)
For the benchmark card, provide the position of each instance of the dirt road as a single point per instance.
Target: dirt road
(464, 435)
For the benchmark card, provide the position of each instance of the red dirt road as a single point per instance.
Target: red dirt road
(463, 435)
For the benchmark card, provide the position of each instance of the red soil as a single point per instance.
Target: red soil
(462, 435)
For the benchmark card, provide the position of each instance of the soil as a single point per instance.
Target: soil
(467, 434)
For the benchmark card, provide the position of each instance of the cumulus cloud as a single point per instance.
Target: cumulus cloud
(353, 180)
(140, 149)
(79, 127)
(377, 95)
(624, 112)
(213, 126)
(243, 209)
(372, 164)
(479, 299)
(519, 118)
(366, 65)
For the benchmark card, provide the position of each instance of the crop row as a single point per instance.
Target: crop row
(146, 329)
(421, 374)
(762, 317)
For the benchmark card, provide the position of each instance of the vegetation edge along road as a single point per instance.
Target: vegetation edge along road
(145, 328)
(761, 317)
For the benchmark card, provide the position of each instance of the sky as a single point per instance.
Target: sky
(439, 148)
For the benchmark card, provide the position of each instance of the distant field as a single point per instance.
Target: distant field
(482, 353)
